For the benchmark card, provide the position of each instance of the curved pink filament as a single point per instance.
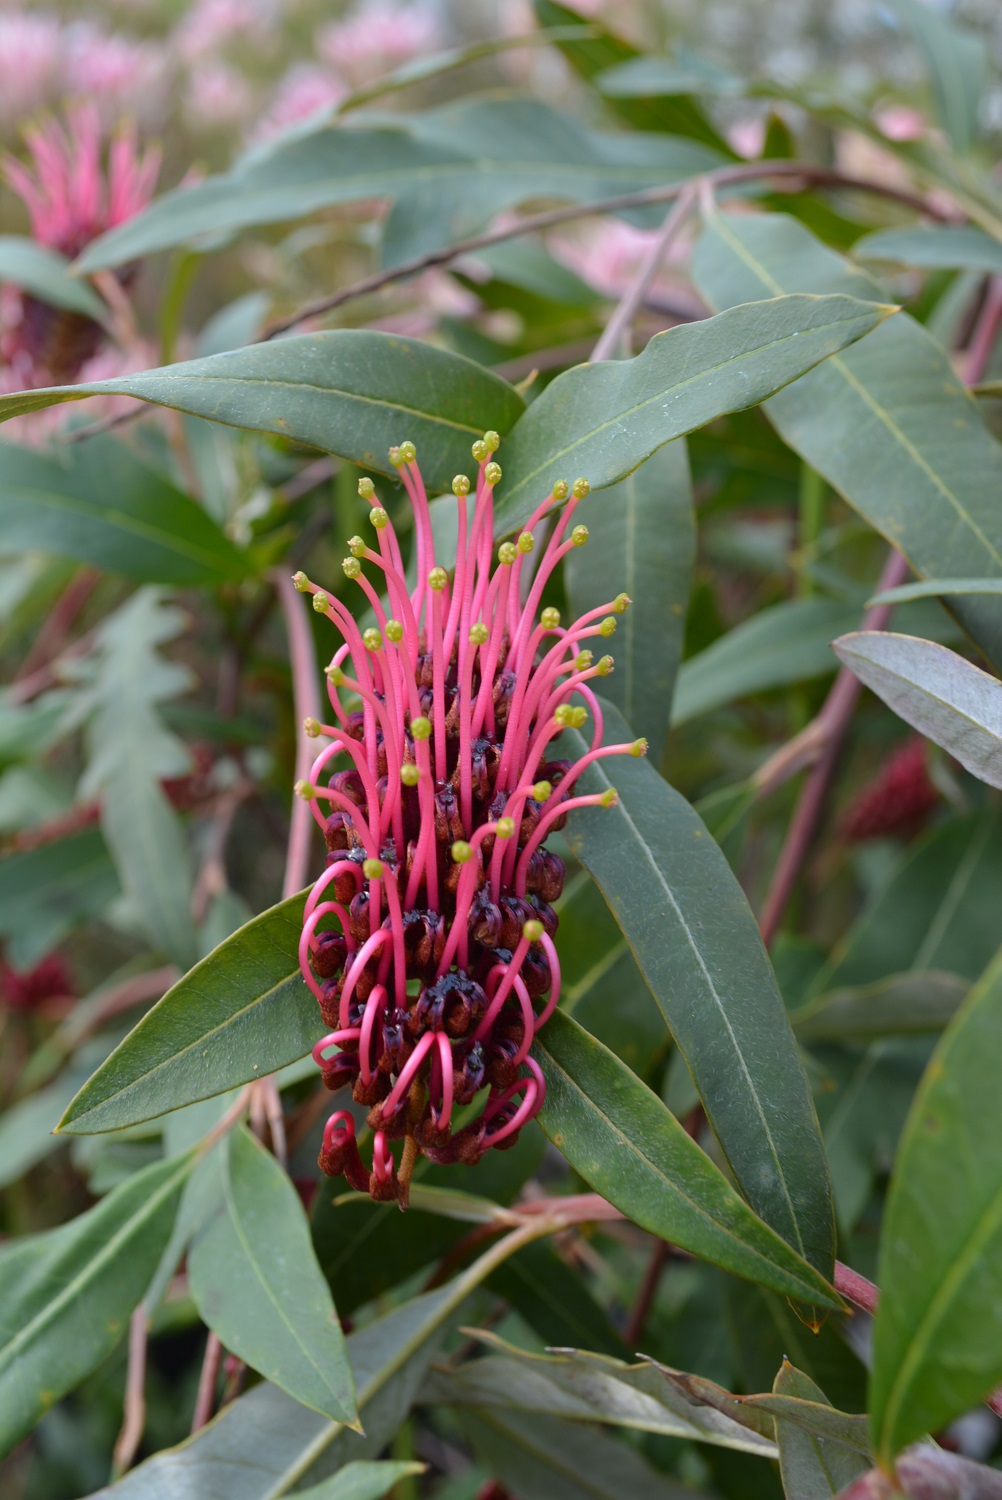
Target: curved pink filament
(398, 1093)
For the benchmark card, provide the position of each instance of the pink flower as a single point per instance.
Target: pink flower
(306, 90)
(378, 37)
(606, 252)
(30, 60)
(115, 74)
(217, 95)
(212, 24)
(443, 966)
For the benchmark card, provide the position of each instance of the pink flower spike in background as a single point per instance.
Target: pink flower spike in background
(442, 965)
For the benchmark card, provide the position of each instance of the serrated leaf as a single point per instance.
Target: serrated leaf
(67, 1295)
(256, 1283)
(642, 538)
(698, 946)
(938, 1330)
(99, 504)
(352, 392)
(44, 273)
(237, 1015)
(949, 700)
(888, 424)
(603, 420)
(628, 1146)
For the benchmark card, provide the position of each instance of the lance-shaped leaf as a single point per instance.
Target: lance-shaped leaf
(938, 1332)
(602, 421)
(903, 1005)
(955, 247)
(698, 946)
(352, 391)
(937, 692)
(237, 1015)
(888, 424)
(643, 536)
(587, 1387)
(814, 1466)
(108, 508)
(256, 1282)
(44, 274)
(629, 1147)
(66, 1296)
(362, 1480)
(800, 1404)
(957, 62)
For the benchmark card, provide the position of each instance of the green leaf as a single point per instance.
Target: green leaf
(587, 1387)
(949, 700)
(957, 62)
(544, 1458)
(898, 1006)
(651, 76)
(953, 247)
(603, 420)
(698, 946)
(791, 642)
(765, 1330)
(470, 160)
(352, 392)
(642, 540)
(362, 1480)
(67, 1295)
(46, 892)
(938, 1331)
(557, 1306)
(237, 1015)
(628, 1146)
(256, 1282)
(99, 504)
(813, 1466)
(44, 273)
(888, 424)
(936, 588)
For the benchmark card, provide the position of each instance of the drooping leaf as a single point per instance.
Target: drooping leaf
(351, 391)
(98, 503)
(888, 424)
(256, 1282)
(764, 1330)
(66, 1296)
(237, 1015)
(603, 420)
(916, 1001)
(955, 247)
(642, 540)
(938, 1331)
(957, 62)
(813, 1465)
(545, 1458)
(588, 1387)
(698, 946)
(472, 159)
(627, 1145)
(44, 273)
(949, 700)
(46, 892)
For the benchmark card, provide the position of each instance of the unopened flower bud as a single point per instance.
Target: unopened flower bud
(320, 602)
(610, 797)
(561, 490)
(639, 748)
(492, 474)
(550, 618)
(580, 488)
(408, 453)
(394, 631)
(579, 536)
(507, 554)
(526, 541)
(356, 546)
(479, 634)
(542, 791)
(421, 729)
(621, 603)
(606, 665)
(366, 489)
(300, 582)
(311, 727)
(462, 852)
(437, 579)
(492, 440)
(410, 775)
(372, 868)
(305, 789)
(379, 517)
(372, 640)
(352, 567)
(532, 931)
(607, 626)
(505, 828)
(461, 485)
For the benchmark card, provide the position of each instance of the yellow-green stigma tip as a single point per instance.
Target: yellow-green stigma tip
(505, 828)
(352, 567)
(379, 517)
(305, 789)
(395, 458)
(372, 868)
(480, 451)
(461, 485)
(462, 852)
(580, 488)
(532, 931)
(610, 798)
(366, 489)
(561, 490)
(606, 665)
(621, 603)
(579, 718)
(607, 626)
(579, 536)
(526, 541)
(356, 546)
(550, 618)
(300, 582)
(408, 452)
(639, 748)
(479, 634)
(507, 554)
(409, 774)
(335, 675)
(394, 631)
(492, 440)
(562, 715)
(372, 640)
(320, 602)
(542, 791)
(437, 579)
(583, 661)
(311, 727)
(492, 474)
(421, 729)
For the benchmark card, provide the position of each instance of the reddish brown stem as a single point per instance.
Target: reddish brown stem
(205, 1401)
(634, 1331)
(50, 638)
(134, 1420)
(855, 1288)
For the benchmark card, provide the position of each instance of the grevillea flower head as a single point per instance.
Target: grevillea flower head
(436, 794)
(71, 197)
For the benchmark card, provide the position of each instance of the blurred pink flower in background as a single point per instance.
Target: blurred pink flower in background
(117, 75)
(378, 37)
(306, 90)
(605, 252)
(899, 122)
(30, 59)
(217, 95)
(212, 24)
